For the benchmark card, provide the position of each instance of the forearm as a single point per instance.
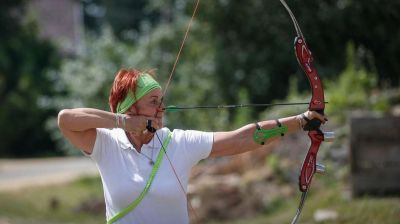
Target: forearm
(293, 123)
(241, 140)
(82, 119)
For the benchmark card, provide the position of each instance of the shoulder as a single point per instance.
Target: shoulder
(180, 132)
(104, 133)
(109, 140)
(193, 145)
(192, 136)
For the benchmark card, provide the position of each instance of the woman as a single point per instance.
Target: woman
(126, 152)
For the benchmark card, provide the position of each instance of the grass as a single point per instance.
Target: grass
(355, 211)
(34, 206)
(52, 204)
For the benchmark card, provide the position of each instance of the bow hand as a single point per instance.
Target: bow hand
(313, 120)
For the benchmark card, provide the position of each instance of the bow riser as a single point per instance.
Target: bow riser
(305, 60)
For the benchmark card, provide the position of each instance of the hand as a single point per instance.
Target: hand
(136, 124)
(315, 115)
(309, 120)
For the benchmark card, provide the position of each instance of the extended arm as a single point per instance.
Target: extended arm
(241, 140)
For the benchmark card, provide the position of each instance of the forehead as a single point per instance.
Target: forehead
(154, 94)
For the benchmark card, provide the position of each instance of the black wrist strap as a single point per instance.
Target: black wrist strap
(258, 126)
(305, 118)
(279, 125)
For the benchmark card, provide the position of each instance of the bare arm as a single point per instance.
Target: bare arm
(79, 125)
(241, 140)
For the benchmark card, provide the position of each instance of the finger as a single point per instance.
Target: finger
(156, 122)
(160, 109)
(150, 126)
(150, 118)
(320, 117)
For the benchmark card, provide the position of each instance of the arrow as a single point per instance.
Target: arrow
(173, 108)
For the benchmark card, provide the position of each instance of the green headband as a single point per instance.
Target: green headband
(145, 84)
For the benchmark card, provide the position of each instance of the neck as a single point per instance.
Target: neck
(138, 140)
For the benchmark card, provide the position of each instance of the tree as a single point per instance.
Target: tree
(124, 16)
(254, 42)
(24, 60)
(373, 28)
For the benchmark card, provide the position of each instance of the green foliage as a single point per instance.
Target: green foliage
(85, 81)
(294, 95)
(243, 115)
(34, 206)
(373, 28)
(125, 15)
(237, 52)
(53, 204)
(254, 45)
(194, 80)
(24, 61)
(273, 163)
(353, 90)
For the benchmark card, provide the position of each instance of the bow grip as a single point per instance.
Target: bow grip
(313, 124)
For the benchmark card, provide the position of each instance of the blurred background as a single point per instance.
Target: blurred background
(57, 54)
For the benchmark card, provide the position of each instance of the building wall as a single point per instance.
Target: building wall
(60, 21)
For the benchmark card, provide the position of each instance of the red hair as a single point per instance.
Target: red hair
(125, 81)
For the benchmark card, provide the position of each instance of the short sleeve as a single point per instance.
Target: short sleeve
(104, 141)
(195, 145)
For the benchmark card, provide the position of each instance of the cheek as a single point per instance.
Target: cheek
(132, 111)
(148, 111)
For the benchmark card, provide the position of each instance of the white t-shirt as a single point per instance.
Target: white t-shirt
(124, 173)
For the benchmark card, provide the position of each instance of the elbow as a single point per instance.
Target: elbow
(63, 117)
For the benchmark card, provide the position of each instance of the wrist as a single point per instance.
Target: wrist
(120, 121)
(301, 121)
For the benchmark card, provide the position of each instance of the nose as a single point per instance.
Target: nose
(161, 108)
(160, 111)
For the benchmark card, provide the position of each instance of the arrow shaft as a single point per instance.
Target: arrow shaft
(233, 106)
